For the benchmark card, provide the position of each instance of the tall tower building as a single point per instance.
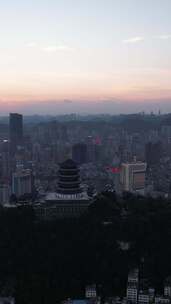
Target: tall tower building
(15, 130)
(90, 149)
(132, 286)
(132, 177)
(22, 182)
(153, 153)
(5, 192)
(4, 159)
(79, 153)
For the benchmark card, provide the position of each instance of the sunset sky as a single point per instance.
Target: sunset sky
(85, 55)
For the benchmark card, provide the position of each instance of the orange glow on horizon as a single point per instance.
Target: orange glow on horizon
(133, 95)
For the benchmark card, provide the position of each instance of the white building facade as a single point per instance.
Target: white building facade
(132, 177)
(132, 286)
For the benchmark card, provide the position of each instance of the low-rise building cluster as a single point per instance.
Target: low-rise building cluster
(135, 293)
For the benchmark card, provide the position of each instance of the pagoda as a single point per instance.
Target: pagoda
(69, 179)
(70, 200)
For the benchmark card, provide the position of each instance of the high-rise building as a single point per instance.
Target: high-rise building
(5, 159)
(15, 130)
(90, 149)
(132, 286)
(79, 153)
(22, 182)
(4, 193)
(132, 177)
(153, 153)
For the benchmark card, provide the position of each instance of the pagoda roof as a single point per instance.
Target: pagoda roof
(69, 164)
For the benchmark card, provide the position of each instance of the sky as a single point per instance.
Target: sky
(86, 56)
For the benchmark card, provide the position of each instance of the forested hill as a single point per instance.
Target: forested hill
(49, 261)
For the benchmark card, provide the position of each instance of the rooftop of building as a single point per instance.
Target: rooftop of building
(137, 163)
(68, 164)
(80, 301)
(55, 196)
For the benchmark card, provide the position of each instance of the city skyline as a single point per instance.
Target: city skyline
(79, 56)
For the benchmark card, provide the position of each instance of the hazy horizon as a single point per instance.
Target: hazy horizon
(85, 107)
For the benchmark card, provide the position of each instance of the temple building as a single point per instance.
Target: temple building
(70, 200)
(69, 181)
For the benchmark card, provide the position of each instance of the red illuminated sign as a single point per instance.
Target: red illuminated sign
(113, 169)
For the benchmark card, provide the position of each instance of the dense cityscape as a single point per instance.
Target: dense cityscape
(116, 153)
(104, 182)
